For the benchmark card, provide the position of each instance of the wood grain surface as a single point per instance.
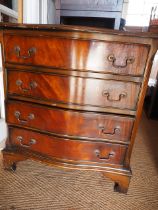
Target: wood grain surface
(77, 54)
(70, 123)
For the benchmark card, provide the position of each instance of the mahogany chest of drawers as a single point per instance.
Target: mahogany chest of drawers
(74, 96)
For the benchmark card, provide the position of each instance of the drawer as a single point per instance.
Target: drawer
(70, 123)
(92, 55)
(74, 90)
(68, 149)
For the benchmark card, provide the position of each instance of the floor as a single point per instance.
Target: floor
(37, 186)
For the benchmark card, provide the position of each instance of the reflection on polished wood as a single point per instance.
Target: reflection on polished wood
(70, 123)
(75, 90)
(76, 54)
(69, 149)
(74, 96)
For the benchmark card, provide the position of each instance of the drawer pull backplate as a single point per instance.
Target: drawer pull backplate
(20, 140)
(101, 157)
(107, 94)
(32, 85)
(111, 58)
(17, 115)
(115, 130)
(30, 52)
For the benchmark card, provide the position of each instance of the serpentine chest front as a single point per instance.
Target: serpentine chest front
(74, 96)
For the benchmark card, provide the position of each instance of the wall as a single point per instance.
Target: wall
(39, 11)
(31, 11)
(3, 129)
(137, 12)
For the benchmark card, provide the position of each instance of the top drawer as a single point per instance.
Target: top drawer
(92, 55)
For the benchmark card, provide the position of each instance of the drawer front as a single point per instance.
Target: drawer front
(68, 149)
(98, 56)
(70, 123)
(74, 90)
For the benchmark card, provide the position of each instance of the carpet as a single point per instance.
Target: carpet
(35, 186)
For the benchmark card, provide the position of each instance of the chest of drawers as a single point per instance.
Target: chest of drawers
(74, 96)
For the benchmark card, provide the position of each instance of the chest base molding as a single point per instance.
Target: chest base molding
(121, 177)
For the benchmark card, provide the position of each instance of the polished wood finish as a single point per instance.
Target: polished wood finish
(65, 54)
(62, 89)
(111, 127)
(69, 149)
(121, 181)
(10, 160)
(76, 105)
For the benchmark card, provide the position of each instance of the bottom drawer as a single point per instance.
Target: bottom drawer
(66, 149)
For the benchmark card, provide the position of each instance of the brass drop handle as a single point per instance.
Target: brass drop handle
(107, 157)
(17, 114)
(30, 52)
(129, 60)
(20, 140)
(32, 85)
(107, 95)
(115, 131)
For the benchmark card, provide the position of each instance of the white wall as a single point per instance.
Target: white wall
(2, 113)
(137, 12)
(39, 11)
(3, 128)
(31, 11)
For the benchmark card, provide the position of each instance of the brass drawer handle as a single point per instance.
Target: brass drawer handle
(98, 154)
(17, 115)
(20, 140)
(32, 85)
(107, 94)
(115, 130)
(30, 52)
(111, 58)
